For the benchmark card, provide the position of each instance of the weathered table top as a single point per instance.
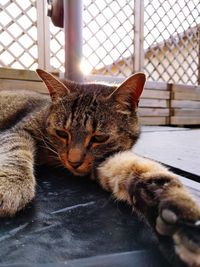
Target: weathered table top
(73, 222)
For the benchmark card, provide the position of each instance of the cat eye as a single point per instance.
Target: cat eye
(62, 134)
(101, 138)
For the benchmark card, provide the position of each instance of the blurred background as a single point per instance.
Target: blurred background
(159, 37)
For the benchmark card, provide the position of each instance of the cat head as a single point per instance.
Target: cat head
(89, 122)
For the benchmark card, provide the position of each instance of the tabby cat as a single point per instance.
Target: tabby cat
(90, 129)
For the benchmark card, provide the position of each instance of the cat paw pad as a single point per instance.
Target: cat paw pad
(185, 235)
(169, 216)
(166, 223)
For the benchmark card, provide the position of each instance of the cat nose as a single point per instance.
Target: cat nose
(75, 164)
(75, 157)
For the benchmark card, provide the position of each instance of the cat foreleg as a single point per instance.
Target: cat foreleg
(161, 198)
(17, 182)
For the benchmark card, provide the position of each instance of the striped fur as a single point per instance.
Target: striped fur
(17, 183)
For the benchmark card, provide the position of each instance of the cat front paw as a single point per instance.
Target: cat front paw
(14, 198)
(185, 235)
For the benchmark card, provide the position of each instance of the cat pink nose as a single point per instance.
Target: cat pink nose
(75, 164)
(75, 157)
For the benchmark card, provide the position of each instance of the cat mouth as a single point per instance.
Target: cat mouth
(82, 170)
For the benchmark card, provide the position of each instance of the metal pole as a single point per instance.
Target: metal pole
(138, 35)
(198, 40)
(73, 39)
(43, 36)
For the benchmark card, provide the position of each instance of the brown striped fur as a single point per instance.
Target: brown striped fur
(89, 129)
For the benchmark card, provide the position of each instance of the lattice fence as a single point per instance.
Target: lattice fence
(18, 34)
(167, 39)
(171, 40)
(57, 53)
(108, 36)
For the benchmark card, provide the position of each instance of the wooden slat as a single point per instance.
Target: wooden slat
(154, 103)
(153, 112)
(118, 80)
(186, 112)
(175, 120)
(156, 85)
(186, 95)
(185, 88)
(15, 74)
(24, 85)
(185, 104)
(153, 120)
(156, 94)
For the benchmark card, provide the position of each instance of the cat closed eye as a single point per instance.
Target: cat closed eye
(62, 134)
(99, 138)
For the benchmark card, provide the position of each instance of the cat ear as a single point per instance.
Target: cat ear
(56, 88)
(130, 90)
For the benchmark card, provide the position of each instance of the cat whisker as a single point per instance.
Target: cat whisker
(39, 138)
(47, 143)
(43, 137)
(50, 149)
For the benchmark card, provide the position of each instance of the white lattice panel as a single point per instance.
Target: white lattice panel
(57, 53)
(18, 31)
(108, 36)
(171, 40)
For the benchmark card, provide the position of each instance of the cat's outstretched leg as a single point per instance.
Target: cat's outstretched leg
(157, 194)
(17, 182)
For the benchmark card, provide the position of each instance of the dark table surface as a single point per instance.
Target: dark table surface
(73, 222)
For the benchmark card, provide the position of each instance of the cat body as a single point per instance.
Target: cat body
(19, 106)
(89, 129)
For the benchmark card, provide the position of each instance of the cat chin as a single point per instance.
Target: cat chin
(79, 173)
